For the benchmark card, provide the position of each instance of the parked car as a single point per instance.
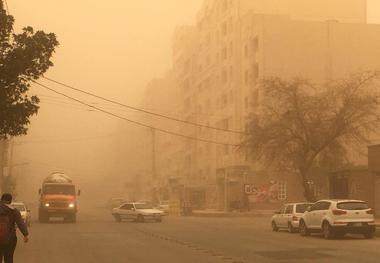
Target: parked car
(164, 207)
(137, 211)
(115, 202)
(288, 216)
(335, 218)
(24, 211)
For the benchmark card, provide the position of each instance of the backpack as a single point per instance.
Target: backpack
(5, 227)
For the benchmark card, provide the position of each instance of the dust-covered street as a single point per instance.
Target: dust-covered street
(96, 237)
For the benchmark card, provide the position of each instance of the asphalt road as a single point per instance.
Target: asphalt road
(97, 238)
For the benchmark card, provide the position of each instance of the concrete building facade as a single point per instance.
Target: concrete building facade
(217, 66)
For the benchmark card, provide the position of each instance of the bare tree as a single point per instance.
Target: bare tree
(300, 123)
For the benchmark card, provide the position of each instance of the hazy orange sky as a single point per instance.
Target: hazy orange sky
(112, 48)
(128, 41)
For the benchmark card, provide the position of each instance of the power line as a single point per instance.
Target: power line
(142, 110)
(132, 121)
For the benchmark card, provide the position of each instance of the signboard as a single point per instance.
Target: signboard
(262, 193)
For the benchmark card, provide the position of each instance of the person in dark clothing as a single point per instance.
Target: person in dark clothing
(7, 250)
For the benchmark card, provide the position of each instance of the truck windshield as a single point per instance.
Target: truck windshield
(59, 189)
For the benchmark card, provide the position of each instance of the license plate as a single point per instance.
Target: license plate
(356, 224)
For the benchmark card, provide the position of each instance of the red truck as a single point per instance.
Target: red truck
(58, 198)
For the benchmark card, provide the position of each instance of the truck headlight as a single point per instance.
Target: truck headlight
(71, 205)
(47, 205)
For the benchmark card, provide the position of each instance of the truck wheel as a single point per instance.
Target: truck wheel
(42, 217)
(70, 218)
(140, 218)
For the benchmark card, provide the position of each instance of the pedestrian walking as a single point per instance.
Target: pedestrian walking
(9, 218)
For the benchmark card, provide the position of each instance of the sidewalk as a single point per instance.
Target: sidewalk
(253, 213)
(217, 213)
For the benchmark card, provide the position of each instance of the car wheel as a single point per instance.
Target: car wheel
(291, 229)
(159, 219)
(274, 227)
(369, 235)
(117, 218)
(140, 218)
(304, 231)
(327, 231)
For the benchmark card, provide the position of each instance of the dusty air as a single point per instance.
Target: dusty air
(190, 131)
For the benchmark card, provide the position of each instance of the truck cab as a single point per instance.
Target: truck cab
(58, 199)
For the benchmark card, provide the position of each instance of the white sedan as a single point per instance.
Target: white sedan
(24, 211)
(137, 211)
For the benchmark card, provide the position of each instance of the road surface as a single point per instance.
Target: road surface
(97, 238)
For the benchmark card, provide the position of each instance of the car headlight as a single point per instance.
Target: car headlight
(71, 205)
(47, 205)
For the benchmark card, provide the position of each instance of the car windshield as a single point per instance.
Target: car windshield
(143, 206)
(353, 206)
(19, 207)
(59, 189)
(301, 208)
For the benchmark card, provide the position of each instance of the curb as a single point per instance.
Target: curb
(230, 215)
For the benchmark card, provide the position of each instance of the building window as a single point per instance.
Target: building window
(224, 104)
(187, 104)
(282, 193)
(224, 77)
(255, 44)
(256, 98)
(224, 53)
(255, 72)
(208, 60)
(246, 77)
(186, 84)
(231, 73)
(224, 29)
(225, 5)
(226, 150)
(224, 123)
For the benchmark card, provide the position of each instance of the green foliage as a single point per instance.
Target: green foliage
(301, 125)
(23, 57)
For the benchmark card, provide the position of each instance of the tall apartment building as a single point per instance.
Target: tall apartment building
(217, 65)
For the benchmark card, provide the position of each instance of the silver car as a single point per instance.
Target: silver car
(288, 216)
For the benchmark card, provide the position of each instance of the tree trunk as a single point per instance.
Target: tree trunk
(308, 192)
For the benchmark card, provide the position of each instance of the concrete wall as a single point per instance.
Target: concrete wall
(353, 11)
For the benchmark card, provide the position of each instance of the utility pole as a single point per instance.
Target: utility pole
(154, 167)
(225, 191)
